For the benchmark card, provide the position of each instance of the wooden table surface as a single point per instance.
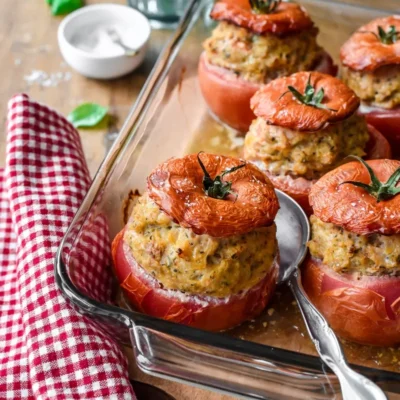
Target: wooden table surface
(28, 37)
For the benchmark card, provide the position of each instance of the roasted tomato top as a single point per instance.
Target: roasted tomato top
(352, 207)
(277, 104)
(373, 45)
(287, 18)
(178, 188)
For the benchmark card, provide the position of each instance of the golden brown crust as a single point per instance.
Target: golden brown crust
(363, 51)
(352, 207)
(285, 110)
(286, 19)
(176, 186)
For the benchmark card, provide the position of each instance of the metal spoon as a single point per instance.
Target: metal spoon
(114, 36)
(293, 234)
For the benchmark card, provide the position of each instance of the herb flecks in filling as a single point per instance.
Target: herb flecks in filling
(217, 188)
(264, 6)
(197, 264)
(378, 189)
(348, 252)
(310, 96)
(379, 88)
(285, 152)
(262, 58)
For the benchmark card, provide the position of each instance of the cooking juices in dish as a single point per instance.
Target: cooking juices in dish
(200, 246)
(353, 274)
(306, 125)
(371, 67)
(254, 43)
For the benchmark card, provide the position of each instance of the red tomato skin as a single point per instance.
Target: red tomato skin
(378, 147)
(228, 96)
(388, 123)
(217, 315)
(364, 310)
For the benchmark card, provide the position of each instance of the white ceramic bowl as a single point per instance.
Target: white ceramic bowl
(105, 65)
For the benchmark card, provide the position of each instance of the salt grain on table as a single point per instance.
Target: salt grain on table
(45, 48)
(44, 79)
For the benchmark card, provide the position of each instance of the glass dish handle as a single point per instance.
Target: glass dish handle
(162, 354)
(354, 385)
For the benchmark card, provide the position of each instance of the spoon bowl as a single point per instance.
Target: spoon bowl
(293, 232)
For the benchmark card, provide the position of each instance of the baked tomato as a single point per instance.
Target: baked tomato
(204, 312)
(334, 200)
(228, 95)
(177, 182)
(362, 309)
(378, 146)
(388, 123)
(299, 188)
(366, 53)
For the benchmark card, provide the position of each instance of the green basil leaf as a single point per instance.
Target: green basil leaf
(87, 115)
(49, 2)
(61, 7)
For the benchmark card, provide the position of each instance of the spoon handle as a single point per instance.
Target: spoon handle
(354, 386)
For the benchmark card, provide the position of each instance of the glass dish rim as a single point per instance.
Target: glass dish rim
(131, 318)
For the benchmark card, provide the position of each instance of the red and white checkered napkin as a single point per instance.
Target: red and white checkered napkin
(47, 349)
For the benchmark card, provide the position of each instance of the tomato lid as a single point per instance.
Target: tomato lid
(278, 105)
(285, 19)
(366, 49)
(178, 189)
(352, 207)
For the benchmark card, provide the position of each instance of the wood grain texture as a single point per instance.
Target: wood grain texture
(28, 37)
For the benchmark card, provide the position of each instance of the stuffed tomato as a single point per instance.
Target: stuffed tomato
(371, 67)
(252, 45)
(353, 272)
(200, 246)
(307, 125)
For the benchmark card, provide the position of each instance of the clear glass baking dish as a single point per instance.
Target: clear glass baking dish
(270, 357)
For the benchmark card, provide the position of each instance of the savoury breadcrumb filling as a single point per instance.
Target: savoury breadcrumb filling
(379, 88)
(347, 252)
(306, 154)
(197, 264)
(262, 58)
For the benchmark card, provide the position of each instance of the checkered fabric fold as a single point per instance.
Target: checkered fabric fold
(47, 349)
